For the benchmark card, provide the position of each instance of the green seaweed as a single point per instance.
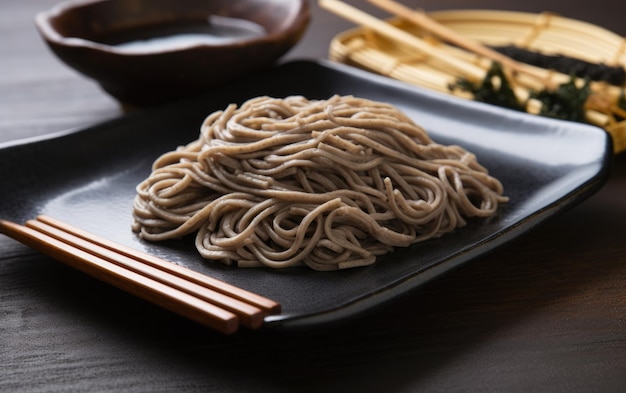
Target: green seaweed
(494, 89)
(566, 102)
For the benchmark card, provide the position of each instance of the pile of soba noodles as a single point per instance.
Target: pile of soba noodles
(330, 184)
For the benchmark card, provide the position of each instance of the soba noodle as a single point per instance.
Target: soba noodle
(330, 184)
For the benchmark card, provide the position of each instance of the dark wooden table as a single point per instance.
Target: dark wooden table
(544, 313)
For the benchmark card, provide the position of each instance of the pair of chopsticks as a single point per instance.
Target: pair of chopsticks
(201, 298)
(418, 18)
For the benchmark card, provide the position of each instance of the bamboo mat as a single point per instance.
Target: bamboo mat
(546, 33)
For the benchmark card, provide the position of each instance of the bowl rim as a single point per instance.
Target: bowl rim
(43, 23)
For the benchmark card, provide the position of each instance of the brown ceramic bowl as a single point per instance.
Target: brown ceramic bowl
(145, 52)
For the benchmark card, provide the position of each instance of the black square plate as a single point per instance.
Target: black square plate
(87, 177)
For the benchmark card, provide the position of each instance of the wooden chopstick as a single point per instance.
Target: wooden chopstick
(160, 282)
(393, 33)
(421, 19)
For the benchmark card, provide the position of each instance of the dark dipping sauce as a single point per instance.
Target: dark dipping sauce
(217, 30)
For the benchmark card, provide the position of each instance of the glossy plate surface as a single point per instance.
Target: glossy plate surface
(87, 177)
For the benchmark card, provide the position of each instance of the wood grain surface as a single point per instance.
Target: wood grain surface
(546, 313)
